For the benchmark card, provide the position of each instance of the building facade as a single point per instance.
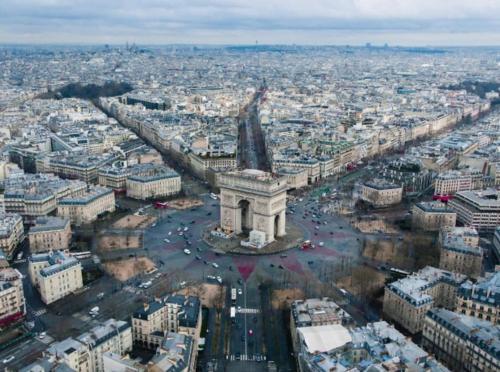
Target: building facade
(479, 209)
(12, 302)
(461, 342)
(11, 233)
(86, 208)
(432, 216)
(460, 251)
(152, 181)
(381, 194)
(49, 234)
(481, 299)
(55, 275)
(85, 353)
(407, 300)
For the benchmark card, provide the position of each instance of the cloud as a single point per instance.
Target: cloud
(219, 21)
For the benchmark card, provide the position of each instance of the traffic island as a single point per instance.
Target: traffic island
(232, 244)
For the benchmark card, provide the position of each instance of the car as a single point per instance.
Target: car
(169, 233)
(250, 332)
(214, 264)
(166, 240)
(205, 262)
(238, 356)
(239, 309)
(187, 251)
(9, 359)
(310, 262)
(230, 268)
(42, 335)
(219, 279)
(240, 281)
(193, 222)
(209, 213)
(272, 265)
(281, 267)
(198, 257)
(283, 255)
(321, 244)
(240, 291)
(254, 319)
(242, 338)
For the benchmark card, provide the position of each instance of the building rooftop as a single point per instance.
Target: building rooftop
(93, 193)
(49, 223)
(57, 261)
(486, 290)
(317, 311)
(380, 184)
(434, 207)
(413, 287)
(458, 239)
(386, 349)
(174, 353)
(8, 223)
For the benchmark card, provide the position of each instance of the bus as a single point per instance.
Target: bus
(233, 312)
(81, 255)
(233, 295)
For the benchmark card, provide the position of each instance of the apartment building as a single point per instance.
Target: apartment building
(482, 298)
(311, 165)
(407, 300)
(314, 312)
(11, 233)
(152, 181)
(85, 353)
(34, 195)
(377, 346)
(201, 164)
(452, 181)
(460, 251)
(380, 193)
(55, 275)
(432, 216)
(12, 302)
(86, 208)
(113, 177)
(49, 234)
(461, 342)
(74, 165)
(479, 209)
(177, 314)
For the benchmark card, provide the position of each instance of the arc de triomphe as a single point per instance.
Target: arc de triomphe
(253, 200)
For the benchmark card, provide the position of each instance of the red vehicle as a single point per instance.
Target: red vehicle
(306, 245)
(160, 205)
(351, 166)
(442, 198)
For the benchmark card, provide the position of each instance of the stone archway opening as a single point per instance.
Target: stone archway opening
(276, 225)
(246, 223)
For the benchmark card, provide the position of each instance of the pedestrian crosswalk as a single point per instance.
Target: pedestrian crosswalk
(248, 311)
(39, 312)
(247, 358)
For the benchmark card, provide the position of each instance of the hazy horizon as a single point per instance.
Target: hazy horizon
(233, 22)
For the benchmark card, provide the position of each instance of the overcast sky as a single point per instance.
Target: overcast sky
(402, 22)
